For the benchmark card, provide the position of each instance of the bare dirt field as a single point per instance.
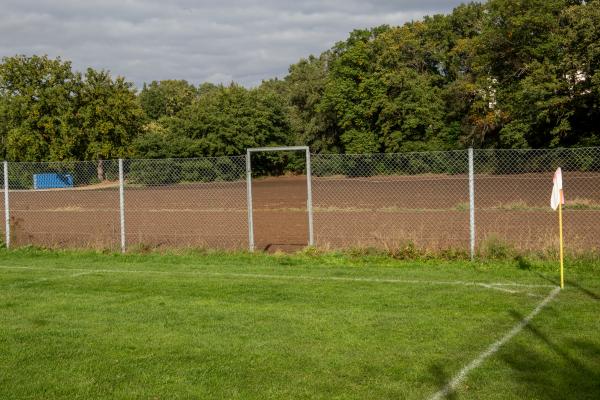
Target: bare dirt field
(430, 211)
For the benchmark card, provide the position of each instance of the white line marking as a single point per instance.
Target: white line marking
(81, 274)
(50, 279)
(493, 285)
(462, 374)
(65, 276)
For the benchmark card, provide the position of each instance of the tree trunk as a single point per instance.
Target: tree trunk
(100, 170)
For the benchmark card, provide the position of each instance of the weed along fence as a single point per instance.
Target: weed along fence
(467, 200)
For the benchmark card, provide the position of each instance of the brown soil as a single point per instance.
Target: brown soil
(387, 212)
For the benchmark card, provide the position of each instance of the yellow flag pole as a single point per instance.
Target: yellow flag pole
(560, 234)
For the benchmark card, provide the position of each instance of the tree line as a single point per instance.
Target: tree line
(502, 74)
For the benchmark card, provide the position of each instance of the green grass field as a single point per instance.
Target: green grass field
(78, 325)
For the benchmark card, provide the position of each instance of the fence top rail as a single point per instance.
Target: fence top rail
(553, 149)
(407, 153)
(237, 156)
(280, 148)
(304, 148)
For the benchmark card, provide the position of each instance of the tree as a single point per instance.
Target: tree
(352, 89)
(385, 88)
(166, 98)
(516, 72)
(50, 113)
(108, 116)
(310, 124)
(580, 67)
(502, 74)
(38, 108)
(224, 121)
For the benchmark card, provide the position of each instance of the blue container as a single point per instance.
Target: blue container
(52, 181)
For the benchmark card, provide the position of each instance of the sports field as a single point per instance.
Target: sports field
(79, 325)
(430, 211)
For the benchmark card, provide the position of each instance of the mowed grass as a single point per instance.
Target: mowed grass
(81, 325)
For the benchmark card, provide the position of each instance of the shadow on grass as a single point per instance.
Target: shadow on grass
(553, 281)
(544, 369)
(552, 370)
(441, 378)
(592, 295)
(571, 283)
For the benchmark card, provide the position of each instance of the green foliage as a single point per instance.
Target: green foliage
(38, 108)
(496, 249)
(390, 164)
(83, 172)
(224, 121)
(509, 74)
(50, 113)
(503, 74)
(154, 172)
(166, 98)
(169, 171)
(309, 125)
(109, 116)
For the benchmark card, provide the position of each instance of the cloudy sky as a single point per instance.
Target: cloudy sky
(216, 41)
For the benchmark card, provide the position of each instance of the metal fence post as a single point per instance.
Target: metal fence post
(249, 202)
(122, 204)
(472, 203)
(6, 207)
(309, 205)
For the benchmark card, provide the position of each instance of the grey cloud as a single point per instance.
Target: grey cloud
(246, 41)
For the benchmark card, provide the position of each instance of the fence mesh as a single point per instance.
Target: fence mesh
(381, 200)
(197, 202)
(279, 197)
(84, 212)
(390, 200)
(512, 197)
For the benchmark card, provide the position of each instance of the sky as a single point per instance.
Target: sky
(199, 41)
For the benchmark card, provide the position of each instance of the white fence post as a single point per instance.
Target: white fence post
(122, 204)
(309, 205)
(6, 207)
(472, 203)
(249, 202)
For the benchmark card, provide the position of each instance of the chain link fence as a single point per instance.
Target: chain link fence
(186, 203)
(390, 200)
(512, 198)
(377, 200)
(64, 204)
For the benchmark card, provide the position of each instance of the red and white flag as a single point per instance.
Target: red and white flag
(557, 190)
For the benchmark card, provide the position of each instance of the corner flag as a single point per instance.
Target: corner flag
(556, 201)
(557, 190)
